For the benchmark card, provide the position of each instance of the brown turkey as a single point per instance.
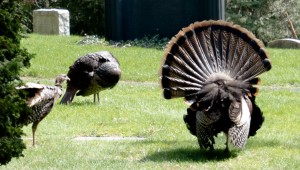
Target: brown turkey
(214, 66)
(41, 99)
(91, 74)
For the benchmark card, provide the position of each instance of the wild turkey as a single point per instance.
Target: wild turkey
(41, 99)
(214, 65)
(91, 74)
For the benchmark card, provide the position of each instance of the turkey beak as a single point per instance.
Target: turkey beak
(67, 78)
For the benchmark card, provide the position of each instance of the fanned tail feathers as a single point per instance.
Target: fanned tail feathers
(205, 48)
(214, 66)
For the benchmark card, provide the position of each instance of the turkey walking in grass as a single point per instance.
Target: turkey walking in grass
(91, 74)
(41, 99)
(214, 65)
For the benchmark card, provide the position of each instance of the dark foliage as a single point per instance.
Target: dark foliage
(12, 59)
(86, 17)
(265, 18)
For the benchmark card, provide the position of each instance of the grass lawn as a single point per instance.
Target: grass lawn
(136, 108)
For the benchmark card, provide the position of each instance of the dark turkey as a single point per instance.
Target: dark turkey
(214, 65)
(41, 99)
(91, 74)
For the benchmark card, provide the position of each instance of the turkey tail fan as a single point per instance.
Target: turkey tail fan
(205, 48)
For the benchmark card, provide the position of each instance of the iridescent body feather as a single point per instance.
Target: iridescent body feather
(91, 74)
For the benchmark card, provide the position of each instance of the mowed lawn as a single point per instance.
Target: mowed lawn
(145, 131)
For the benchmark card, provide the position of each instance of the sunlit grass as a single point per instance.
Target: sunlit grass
(54, 55)
(285, 68)
(135, 108)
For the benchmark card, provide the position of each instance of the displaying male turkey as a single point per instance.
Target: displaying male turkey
(214, 65)
(41, 99)
(91, 74)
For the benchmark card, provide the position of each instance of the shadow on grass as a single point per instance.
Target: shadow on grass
(197, 155)
(191, 155)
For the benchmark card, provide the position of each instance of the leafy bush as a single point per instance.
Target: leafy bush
(86, 17)
(12, 59)
(265, 18)
(146, 42)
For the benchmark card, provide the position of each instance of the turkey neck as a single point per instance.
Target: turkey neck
(58, 85)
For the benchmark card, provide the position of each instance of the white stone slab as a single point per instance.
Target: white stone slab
(285, 43)
(51, 21)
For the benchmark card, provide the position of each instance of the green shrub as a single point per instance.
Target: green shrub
(12, 59)
(265, 18)
(86, 17)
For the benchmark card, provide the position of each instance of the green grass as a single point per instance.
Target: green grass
(54, 55)
(285, 68)
(135, 107)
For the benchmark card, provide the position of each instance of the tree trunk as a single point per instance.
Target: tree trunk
(291, 27)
